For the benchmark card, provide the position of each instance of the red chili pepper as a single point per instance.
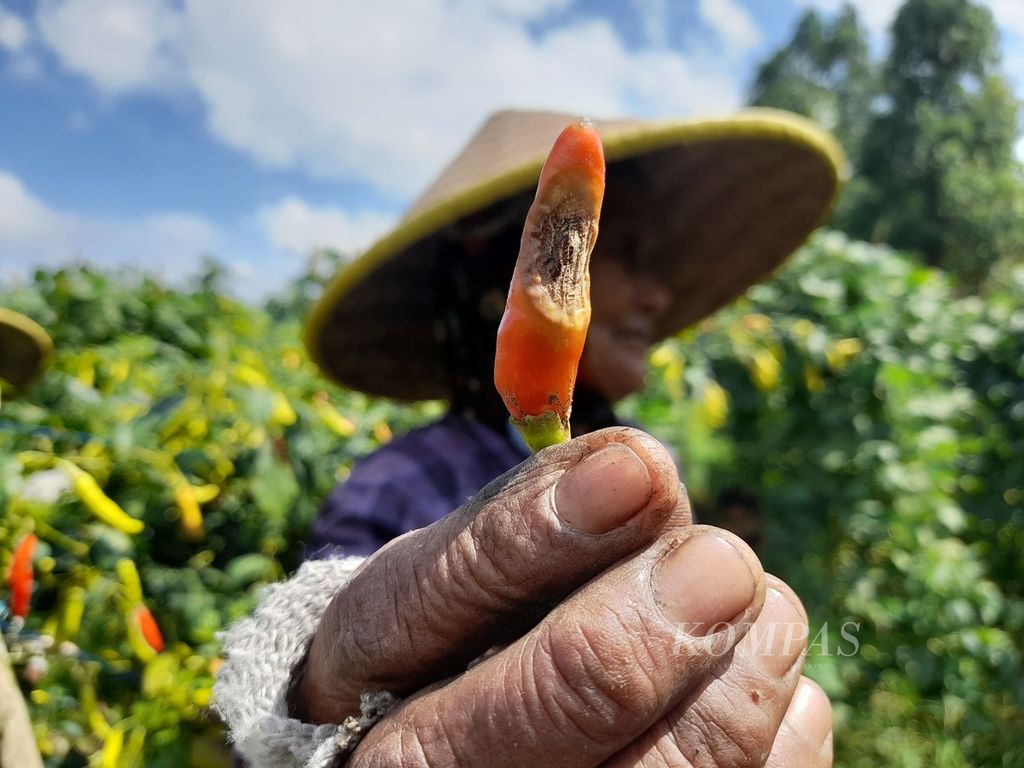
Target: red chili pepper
(149, 628)
(547, 314)
(21, 577)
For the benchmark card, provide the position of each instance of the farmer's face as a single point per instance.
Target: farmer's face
(625, 308)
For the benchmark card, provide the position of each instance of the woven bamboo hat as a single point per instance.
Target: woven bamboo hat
(25, 349)
(711, 206)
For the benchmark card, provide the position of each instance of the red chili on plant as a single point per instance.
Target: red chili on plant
(21, 578)
(547, 314)
(149, 628)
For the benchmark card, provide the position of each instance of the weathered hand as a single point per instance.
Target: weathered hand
(626, 630)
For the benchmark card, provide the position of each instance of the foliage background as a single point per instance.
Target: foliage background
(151, 388)
(879, 417)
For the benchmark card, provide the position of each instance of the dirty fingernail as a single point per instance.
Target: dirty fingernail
(604, 490)
(704, 583)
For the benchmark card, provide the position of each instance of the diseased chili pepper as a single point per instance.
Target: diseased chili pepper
(547, 314)
(21, 577)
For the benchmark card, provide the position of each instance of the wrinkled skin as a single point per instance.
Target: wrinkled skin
(571, 615)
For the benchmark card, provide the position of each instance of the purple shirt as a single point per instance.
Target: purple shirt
(411, 482)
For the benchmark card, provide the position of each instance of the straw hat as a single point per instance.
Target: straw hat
(720, 203)
(25, 349)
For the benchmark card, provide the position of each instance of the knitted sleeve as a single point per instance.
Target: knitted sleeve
(261, 655)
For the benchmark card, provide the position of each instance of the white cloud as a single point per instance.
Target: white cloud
(382, 92)
(262, 250)
(13, 31)
(35, 234)
(294, 226)
(21, 214)
(398, 98)
(731, 22)
(119, 45)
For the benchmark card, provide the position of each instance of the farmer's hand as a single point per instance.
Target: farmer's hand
(628, 630)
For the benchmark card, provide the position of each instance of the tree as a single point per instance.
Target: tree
(937, 166)
(930, 136)
(825, 73)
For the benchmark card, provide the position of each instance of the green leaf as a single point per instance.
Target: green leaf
(273, 485)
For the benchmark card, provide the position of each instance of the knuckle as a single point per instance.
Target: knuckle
(484, 570)
(598, 680)
(357, 643)
(743, 744)
(390, 603)
(496, 562)
(400, 746)
(423, 609)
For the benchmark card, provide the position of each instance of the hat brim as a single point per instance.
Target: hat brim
(735, 196)
(26, 349)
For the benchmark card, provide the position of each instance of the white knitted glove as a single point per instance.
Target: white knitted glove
(261, 654)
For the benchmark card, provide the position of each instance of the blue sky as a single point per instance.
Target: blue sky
(152, 132)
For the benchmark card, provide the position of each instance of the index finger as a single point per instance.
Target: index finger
(422, 608)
